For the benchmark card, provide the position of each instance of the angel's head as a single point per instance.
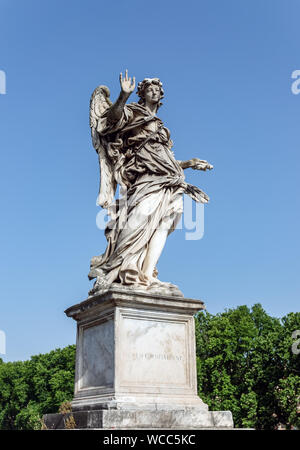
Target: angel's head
(150, 91)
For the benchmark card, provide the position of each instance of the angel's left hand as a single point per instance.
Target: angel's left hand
(200, 164)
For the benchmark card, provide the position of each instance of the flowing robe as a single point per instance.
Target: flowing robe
(153, 180)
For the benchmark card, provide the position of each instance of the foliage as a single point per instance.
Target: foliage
(245, 365)
(29, 389)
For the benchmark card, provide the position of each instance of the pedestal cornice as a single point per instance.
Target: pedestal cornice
(130, 298)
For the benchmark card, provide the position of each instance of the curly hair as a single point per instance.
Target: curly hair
(144, 84)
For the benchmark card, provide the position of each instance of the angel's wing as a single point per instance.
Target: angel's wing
(99, 103)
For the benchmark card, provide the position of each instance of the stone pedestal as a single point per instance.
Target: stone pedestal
(136, 364)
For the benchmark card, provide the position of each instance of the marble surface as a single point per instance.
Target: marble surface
(97, 355)
(135, 351)
(153, 352)
(136, 363)
(189, 418)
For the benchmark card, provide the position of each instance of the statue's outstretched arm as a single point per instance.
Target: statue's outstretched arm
(127, 87)
(196, 164)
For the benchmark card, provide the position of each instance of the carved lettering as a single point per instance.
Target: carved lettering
(156, 356)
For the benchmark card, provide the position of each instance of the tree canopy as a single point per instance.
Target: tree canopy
(29, 389)
(245, 364)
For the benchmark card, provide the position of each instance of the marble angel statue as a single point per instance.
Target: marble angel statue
(134, 150)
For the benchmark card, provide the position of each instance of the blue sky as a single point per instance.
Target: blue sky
(226, 69)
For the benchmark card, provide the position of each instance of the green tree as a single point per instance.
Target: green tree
(245, 365)
(32, 388)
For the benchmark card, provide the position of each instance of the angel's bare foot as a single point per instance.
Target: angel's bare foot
(156, 282)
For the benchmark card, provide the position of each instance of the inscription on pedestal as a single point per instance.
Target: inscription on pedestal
(153, 352)
(157, 356)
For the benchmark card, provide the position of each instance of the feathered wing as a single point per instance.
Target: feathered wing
(99, 103)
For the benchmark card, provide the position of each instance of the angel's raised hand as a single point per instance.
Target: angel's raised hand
(127, 84)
